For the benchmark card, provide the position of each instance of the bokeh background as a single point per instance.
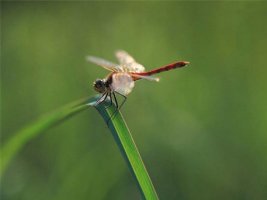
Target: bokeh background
(201, 130)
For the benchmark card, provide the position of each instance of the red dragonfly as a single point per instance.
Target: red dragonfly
(122, 76)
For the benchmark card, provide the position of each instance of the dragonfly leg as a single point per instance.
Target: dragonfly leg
(111, 102)
(124, 100)
(116, 102)
(118, 107)
(101, 99)
(110, 99)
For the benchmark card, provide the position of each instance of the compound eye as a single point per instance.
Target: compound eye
(99, 86)
(99, 83)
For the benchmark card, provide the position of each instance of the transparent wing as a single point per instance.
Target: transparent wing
(123, 57)
(122, 83)
(128, 62)
(150, 78)
(103, 63)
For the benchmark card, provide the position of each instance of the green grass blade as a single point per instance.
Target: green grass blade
(22, 137)
(116, 124)
(126, 144)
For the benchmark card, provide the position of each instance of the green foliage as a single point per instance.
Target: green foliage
(125, 142)
(22, 137)
(201, 130)
(116, 125)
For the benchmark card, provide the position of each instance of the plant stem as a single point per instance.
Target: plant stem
(127, 146)
(22, 137)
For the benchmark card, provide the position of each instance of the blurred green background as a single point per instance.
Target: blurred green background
(201, 130)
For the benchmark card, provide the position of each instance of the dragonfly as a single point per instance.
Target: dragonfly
(122, 76)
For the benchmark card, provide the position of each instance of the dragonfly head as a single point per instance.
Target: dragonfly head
(99, 86)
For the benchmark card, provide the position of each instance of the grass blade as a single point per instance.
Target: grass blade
(126, 144)
(22, 137)
(116, 124)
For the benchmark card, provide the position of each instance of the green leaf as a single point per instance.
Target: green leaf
(127, 146)
(115, 123)
(22, 137)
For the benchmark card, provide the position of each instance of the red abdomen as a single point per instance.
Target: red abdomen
(164, 68)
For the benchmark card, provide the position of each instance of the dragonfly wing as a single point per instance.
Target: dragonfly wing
(128, 62)
(150, 78)
(135, 67)
(123, 57)
(103, 63)
(122, 83)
